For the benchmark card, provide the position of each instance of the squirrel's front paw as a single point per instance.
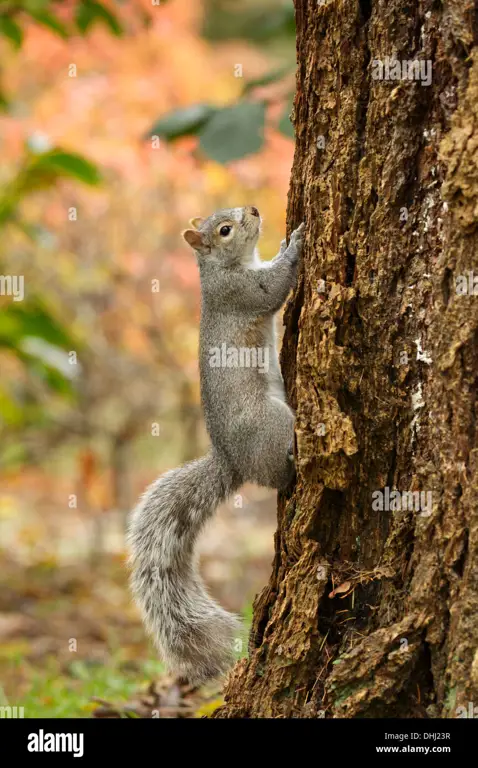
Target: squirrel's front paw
(294, 249)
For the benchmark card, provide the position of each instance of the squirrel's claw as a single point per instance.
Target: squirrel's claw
(298, 233)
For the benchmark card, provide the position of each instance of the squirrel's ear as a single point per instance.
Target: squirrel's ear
(196, 222)
(194, 239)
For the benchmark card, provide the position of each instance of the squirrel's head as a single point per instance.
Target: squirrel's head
(228, 236)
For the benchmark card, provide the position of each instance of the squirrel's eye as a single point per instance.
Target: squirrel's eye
(224, 231)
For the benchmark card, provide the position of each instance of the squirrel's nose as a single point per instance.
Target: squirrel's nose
(254, 211)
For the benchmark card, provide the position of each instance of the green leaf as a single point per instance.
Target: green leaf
(183, 122)
(68, 164)
(50, 355)
(20, 320)
(12, 30)
(32, 333)
(234, 132)
(85, 17)
(90, 11)
(42, 171)
(3, 102)
(270, 77)
(47, 19)
(54, 379)
(250, 22)
(11, 412)
(285, 125)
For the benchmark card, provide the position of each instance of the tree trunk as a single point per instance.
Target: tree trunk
(380, 359)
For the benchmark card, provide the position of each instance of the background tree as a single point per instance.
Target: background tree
(372, 606)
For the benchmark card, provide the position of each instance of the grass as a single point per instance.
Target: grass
(57, 693)
(66, 690)
(116, 663)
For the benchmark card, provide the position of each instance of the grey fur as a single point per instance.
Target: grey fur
(251, 429)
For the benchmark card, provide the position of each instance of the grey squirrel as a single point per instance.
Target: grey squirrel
(251, 429)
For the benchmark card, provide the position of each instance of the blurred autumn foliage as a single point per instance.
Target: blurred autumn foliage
(103, 164)
(119, 122)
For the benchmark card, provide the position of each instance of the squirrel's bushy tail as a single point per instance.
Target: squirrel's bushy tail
(193, 633)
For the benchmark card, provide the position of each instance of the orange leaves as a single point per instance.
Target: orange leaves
(94, 483)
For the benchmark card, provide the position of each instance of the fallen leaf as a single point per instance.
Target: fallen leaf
(340, 589)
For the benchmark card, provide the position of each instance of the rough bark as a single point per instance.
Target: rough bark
(390, 200)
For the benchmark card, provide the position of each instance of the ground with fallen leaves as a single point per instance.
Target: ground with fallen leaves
(72, 643)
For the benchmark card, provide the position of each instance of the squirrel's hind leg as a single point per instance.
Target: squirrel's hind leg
(272, 456)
